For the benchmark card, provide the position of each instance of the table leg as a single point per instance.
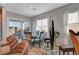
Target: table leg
(59, 51)
(68, 53)
(63, 53)
(73, 52)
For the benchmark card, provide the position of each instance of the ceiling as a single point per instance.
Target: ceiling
(32, 9)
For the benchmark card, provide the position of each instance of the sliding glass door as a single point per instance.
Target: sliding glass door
(14, 26)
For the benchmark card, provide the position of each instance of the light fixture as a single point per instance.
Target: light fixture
(33, 8)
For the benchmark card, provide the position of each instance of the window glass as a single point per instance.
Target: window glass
(26, 26)
(42, 25)
(73, 17)
(14, 26)
(73, 22)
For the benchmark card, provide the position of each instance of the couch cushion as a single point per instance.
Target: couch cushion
(4, 50)
(4, 42)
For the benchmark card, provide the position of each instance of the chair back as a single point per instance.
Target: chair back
(28, 36)
(41, 36)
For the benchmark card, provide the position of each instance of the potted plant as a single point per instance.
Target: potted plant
(56, 35)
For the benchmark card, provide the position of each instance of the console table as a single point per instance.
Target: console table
(65, 48)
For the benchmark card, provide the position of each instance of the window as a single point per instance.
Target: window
(26, 26)
(73, 22)
(14, 26)
(42, 25)
(73, 18)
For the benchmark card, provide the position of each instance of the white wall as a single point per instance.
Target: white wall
(57, 15)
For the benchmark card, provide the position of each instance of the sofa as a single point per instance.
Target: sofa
(5, 50)
(20, 48)
(10, 41)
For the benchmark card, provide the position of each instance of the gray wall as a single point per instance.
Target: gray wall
(14, 15)
(57, 15)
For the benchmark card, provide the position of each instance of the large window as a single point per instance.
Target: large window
(73, 22)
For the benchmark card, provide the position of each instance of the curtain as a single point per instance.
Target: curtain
(66, 37)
